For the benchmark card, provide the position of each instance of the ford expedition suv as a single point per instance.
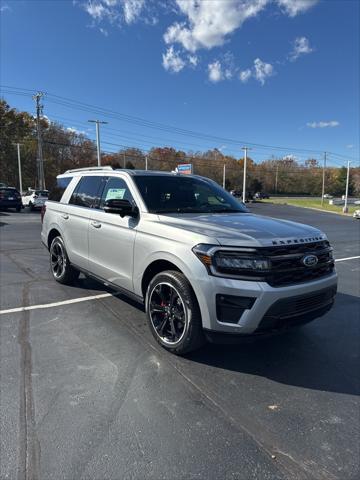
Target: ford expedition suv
(204, 267)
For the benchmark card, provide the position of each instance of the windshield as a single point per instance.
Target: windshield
(179, 194)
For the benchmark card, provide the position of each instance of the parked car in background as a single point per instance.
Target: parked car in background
(327, 195)
(356, 214)
(261, 195)
(35, 199)
(236, 193)
(10, 198)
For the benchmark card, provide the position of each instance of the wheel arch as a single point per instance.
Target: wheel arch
(155, 267)
(54, 232)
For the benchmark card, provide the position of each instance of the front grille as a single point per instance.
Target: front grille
(287, 267)
(297, 310)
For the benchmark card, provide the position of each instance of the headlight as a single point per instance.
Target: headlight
(219, 261)
(237, 261)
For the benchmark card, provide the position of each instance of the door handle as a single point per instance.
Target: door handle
(96, 224)
(65, 216)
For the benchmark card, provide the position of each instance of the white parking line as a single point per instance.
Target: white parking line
(348, 258)
(55, 304)
(92, 297)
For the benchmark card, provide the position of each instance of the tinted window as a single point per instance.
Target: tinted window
(9, 192)
(116, 188)
(41, 193)
(185, 195)
(57, 192)
(87, 193)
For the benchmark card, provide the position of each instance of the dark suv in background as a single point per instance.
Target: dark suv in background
(10, 198)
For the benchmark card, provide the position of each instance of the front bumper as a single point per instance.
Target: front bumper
(267, 302)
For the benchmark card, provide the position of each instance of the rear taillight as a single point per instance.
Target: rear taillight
(43, 211)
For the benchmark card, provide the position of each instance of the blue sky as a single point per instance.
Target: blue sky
(269, 72)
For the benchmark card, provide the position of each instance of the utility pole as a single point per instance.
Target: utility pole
(323, 180)
(39, 160)
(19, 166)
(224, 176)
(276, 176)
(244, 175)
(345, 209)
(146, 162)
(98, 122)
(124, 160)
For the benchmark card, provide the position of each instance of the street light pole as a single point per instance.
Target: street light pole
(17, 145)
(345, 209)
(323, 180)
(19, 166)
(224, 176)
(244, 175)
(97, 123)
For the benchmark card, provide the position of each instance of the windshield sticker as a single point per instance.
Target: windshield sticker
(115, 193)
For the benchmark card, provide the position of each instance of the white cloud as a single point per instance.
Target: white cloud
(290, 156)
(350, 146)
(4, 7)
(210, 22)
(96, 10)
(75, 130)
(322, 124)
(245, 75)
(132, 10)
(215, 72)
(294, 7)
(262, 70)
(172, 60)
(301, 47)
(193, 60)
(115, 10)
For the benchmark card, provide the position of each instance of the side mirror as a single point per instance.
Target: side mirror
(121, 207)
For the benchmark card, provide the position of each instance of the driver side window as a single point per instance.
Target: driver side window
(116, 188)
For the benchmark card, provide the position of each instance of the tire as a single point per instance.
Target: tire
(173, 313)
(60, 266)
(31, 206)
(18, 209)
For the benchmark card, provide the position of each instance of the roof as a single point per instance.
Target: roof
(107, 169)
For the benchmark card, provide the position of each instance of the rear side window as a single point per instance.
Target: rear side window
(88, 192)
(57, 192)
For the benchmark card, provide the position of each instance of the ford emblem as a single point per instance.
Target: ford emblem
(310, 260)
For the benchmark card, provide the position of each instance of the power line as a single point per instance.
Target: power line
(74, 104)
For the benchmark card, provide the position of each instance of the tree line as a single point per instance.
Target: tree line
(64, 149)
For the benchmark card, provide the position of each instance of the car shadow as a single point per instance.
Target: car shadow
(323, 355)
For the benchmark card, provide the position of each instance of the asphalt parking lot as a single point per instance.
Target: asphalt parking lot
(87, 394)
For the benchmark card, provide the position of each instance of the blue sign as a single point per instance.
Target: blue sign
(185, 168)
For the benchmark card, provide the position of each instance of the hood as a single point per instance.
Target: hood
(243, 229)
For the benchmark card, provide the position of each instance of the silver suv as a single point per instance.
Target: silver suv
(204, 267)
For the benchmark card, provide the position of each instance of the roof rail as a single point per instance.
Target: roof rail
(92, 169)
